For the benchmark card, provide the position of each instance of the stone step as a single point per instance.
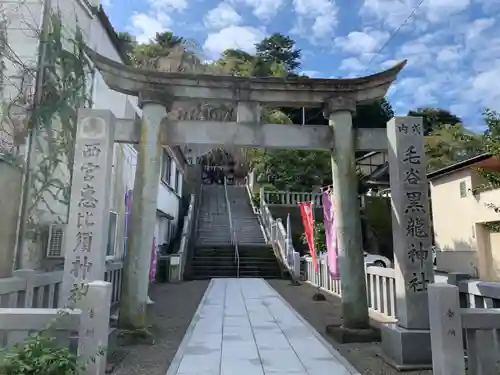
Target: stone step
(231, 255)
(197, 260)
(232, 274)
(247, 267)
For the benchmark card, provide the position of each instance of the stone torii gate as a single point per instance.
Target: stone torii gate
(157, 91)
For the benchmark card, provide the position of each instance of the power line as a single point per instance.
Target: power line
(394, 33)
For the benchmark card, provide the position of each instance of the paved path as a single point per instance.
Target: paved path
(244, 327)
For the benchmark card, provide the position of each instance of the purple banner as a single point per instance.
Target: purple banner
(330, 234)
(152, 267)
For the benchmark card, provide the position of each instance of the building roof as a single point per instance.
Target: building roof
(110, 30)
(460, 165)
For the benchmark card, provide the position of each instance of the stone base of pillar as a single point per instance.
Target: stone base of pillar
(346, 335)
(406, 349)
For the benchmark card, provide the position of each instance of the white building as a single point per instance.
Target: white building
(23, 20)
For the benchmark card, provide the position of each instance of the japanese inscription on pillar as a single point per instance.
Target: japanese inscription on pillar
(86, 232)
(411, 214)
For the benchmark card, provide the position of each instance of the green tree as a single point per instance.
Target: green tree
(435, 118)
(491, 138)
(281, 49)
(148, 55)
(448, 144)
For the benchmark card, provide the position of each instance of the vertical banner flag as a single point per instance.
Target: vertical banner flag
(330, 233)
(307, 220)
(152, 266)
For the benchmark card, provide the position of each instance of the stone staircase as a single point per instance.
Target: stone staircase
(255, 261)
(214, 254)
(213, 220)
(245, 222)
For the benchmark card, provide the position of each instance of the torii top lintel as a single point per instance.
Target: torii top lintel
(271, 91)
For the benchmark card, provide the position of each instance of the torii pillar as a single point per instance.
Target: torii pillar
(356, 324)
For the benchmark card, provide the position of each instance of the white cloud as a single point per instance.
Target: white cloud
(316, 19)
(483, 89)
(449, 54)
(232, 37)
(222, 16)
(156, 18)
(106, 3)
(489, 5)
(394, 12)
(352, 64)
(145, 26)
(477, 27)
(389, 63)
(439, 10)
(359, 42)
(264, 10)
(178, 5)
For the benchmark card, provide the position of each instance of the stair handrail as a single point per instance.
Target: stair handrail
(234, 239)
(280, 238)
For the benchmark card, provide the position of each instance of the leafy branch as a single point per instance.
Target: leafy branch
(52, 121)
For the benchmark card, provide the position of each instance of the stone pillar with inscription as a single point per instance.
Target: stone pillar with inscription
(135, 284)
(86, 233)
(356, 327)
(406, 344)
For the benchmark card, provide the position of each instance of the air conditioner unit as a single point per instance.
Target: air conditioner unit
(55, 242)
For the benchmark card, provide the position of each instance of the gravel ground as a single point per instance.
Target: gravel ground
(319, 314)
(175, 306)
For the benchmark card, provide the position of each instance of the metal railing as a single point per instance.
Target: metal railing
(279, 238)
(234, 239)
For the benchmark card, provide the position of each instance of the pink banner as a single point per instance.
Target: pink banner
(308, 221)
(330, 233)
(152, 267)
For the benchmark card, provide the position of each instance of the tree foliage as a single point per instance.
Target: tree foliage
(491, 138)
(149, 55)
(448, 144)
(435, 118)
(279, 48)
(276, 56)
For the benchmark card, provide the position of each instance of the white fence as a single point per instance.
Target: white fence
(465, 317)
(178, 260)
(84, 334)
(114, 275)
(29, 301)
(379, 282)
(279, 237)
(30, 289)
(291, 198)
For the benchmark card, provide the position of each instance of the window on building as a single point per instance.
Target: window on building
(166, 237)
(112, 229)
(177, 181)
(463, 189)
(166, 167)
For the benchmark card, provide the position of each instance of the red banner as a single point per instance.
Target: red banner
(308, 221)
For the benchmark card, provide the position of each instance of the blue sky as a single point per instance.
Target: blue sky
(452, 46)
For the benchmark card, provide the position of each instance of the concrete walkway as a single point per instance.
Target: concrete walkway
(244, 327)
